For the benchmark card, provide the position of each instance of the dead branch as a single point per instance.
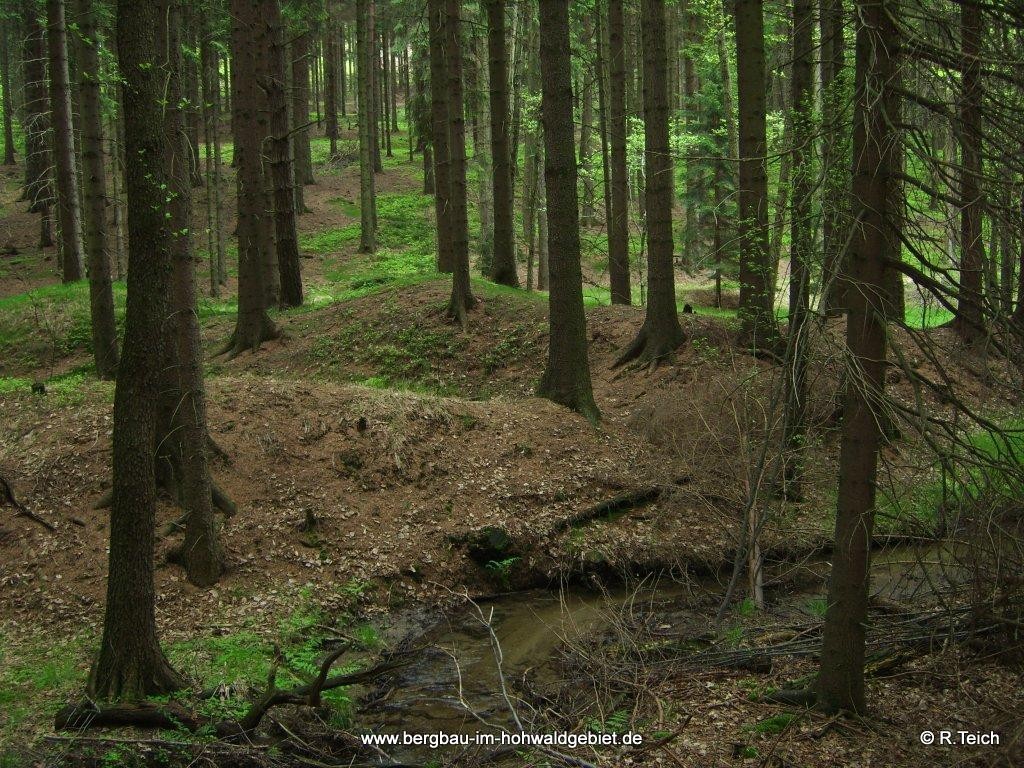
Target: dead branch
(621, 503)
(7, 497)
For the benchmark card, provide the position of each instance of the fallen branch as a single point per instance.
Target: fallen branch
(620, 503)
(7, 497)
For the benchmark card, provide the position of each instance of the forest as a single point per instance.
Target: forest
(517, 383)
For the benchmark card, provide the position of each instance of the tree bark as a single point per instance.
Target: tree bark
(331, 78)
(503, 264)
(300, 109)
(840, 683)
(367, 193)
(618, 221)
(253, 326)
(757, 318)
(835, 155)
(801, 248)
(462, 294)
(64, 145)
(184, 395)
(566, 378)
(439, 137)
(130, 663)
(969, 320)
(101, 296)
(287, 242)
(5, 84)
(661, 333)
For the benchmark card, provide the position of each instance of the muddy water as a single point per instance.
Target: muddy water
(457, 680)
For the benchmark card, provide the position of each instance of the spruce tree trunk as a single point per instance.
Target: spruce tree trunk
(801, 248)
(840, 683)
(602, 111)
(503, 269)
(101, 297)
(661, 333)
(439, 137)
(756, 313)
(462, 295)
(300, 110)
(969, 320)
(342, 66)
(184, 395)
(64, 145)
(38, 181)
(253, 326)
(5, 84)
(130, 663)
(566, 378)
(208, 73)
(835, 155)
(367, 195)
(543, 242)
(618, 221)
(586, 130)
(331, 79)
(287, 242)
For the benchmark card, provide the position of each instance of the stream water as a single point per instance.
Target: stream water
(456, 682)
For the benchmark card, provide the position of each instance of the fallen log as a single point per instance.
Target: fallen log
(621, 503)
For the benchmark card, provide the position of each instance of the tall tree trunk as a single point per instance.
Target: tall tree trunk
(543, 242)
(101, 296)
(503, 265)
(661, 333)
(367, 194)
(587, 129)
(462, 294)
(64, 144)
(330, 46)
(835, 155)
(566, 378)
(300, 109)
(602, 109)
(618, 221)
(439, 137)
(840, 683)
(801, 248)
(5, 84)
(130, 663)
(287, 242)
(208, 73)
(969, 320)
(757, 318)
(38, 180)
(184, 395)
(254, 325)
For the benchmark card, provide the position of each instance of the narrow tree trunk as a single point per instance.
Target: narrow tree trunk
(184, 395)
(331, 79)
(367, 194)
(602, 112)
(840, 683)
(64, 145)
(618, 222)
(101, 297)
(757, 318)
(130, 663)
(462, 294)
(287, 242)
(5, 84)
(801, 249)
(586, 130)
(543, 240)
(300, 110)
(661, 333)
(835, 155)
(566, 378)
(38, 181)
(503, 268)
(253, 326)
(208, 75)
(440, 139)
(969, 319)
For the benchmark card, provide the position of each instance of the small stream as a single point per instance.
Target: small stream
(530, 630)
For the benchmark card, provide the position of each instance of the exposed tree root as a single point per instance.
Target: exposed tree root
(88, 714)
(238, 342)
(220, 500)
(649, 349)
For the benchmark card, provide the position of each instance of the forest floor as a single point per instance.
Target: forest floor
(372, 443)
